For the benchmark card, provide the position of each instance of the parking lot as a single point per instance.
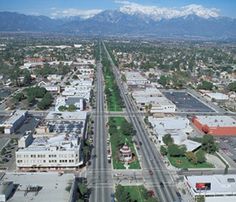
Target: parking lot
(7, 156)
(228, 146)
(185, 102)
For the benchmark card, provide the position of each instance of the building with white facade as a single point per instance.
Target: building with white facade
(135, 78)
(78, 102)
(59, 150)
(214, 188)
(51, 87)
(218, 97)
(152, 97)
(14, 122)
(177, 127)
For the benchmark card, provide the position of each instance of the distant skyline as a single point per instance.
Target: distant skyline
(88, 8)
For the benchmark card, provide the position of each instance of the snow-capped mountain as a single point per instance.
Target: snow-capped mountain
(192, 21)
(157, 13)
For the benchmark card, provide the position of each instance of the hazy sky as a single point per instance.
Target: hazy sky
(71, 7)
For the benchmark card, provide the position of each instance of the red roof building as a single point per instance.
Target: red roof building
(216, 125)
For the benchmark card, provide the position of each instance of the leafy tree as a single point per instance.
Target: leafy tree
(163, 80)
(163, 150)
(46, 101)
(191, 157)
(62, 108)
(27, 78)
(200, 155)
(37, 92)
(208, 144)
(19, 97)
(71, 108)
(127, 129)
(167, 139)
(206, 85)
(232, 86)
(120, 193)
(175, 150)
(30, 99)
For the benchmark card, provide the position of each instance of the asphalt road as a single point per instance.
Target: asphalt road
(151, 159)
(101, 170)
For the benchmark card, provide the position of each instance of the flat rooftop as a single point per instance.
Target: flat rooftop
(64, 142)
(218, 96)
(218, 183)
(53, 186)
(130, 76)
(52, 115)
(186, 102)
(217, 121)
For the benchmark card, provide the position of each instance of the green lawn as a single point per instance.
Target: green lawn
(183, 162)
(117, 139)
(138, 193)
(114, 100)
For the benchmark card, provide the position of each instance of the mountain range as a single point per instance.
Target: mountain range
(126, 22)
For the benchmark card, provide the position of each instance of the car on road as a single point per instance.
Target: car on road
(140, 143)
(118, 174)
(161, 184)
(178, 195)
(150, 172)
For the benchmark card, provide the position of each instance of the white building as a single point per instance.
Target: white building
(14, 122)
(78, 102)
(154, 98)
(50, 87)
(58, 152)
(214, 188)
(135, 78)
(217, 97)
(79, 88)
(61, 149)
(177, 127)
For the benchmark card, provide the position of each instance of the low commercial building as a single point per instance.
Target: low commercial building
(218, 97)
(135, 78)
(213, 188)
(216, 125)
(177, 127)
(78, 102)
(51, 87)
(14, 122)
(153, 100)
(39, 187)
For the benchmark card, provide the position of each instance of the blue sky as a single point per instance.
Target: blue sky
(48, 7)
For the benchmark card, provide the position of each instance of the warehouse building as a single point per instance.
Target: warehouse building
(135, 78)
(153, 98)
(216, 125)
(218, 97)
(214, 188)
